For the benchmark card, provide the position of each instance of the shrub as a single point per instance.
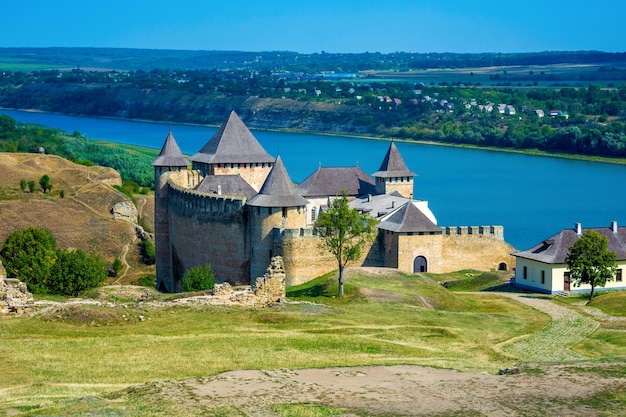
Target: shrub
(29, 256)
(199, 278)
(117, 266)
(75, 271)
(149, 253)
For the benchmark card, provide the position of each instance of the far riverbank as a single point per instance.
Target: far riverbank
(533, 196)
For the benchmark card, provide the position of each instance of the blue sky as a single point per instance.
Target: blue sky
(321, 25)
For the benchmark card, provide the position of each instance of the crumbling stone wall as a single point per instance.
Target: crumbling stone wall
(14, 296)
(270, 288)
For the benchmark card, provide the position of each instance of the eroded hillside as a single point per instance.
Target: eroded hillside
(77, 210)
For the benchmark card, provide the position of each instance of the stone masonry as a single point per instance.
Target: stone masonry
(14, 296)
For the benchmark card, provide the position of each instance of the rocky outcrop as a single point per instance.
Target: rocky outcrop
(125, 210)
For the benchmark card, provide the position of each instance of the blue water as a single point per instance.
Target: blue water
(533, 197)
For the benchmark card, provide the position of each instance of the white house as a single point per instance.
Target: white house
(543, 268)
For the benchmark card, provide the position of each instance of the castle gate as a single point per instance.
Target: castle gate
(420, 264)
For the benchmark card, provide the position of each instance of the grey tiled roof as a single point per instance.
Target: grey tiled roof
(408, 218)
(331, 182)
(227, 185)
(278, 190)
(378, 205)
(554, 250)
(170, 155)
(232, 143)
(393, 165)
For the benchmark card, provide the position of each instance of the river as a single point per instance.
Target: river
(532, 196)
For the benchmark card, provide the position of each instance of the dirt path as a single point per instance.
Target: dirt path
(553, 342)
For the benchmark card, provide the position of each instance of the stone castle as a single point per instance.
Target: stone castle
(236, 207)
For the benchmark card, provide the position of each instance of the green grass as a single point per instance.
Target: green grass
(470, 280)
(613, 303)
(382, 320)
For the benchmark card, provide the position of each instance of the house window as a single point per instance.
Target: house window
(284, 212)
(525, 276)
(543, 277)
(313, 214)
(618, 275)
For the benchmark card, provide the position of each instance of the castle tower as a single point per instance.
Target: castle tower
(276, 207)
(170, 160)
(393, 174)
(233, 150)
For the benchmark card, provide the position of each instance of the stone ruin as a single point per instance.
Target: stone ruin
(266, 290)
(14, 296)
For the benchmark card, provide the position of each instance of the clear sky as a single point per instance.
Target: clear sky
(319, 25)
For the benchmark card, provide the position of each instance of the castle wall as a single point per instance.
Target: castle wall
(410, 246)
(476, 247)
(303, 257)
(265, 227)
(403, 185)
(253, 174)
(208, 229)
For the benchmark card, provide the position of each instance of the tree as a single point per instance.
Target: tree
(31, 186)
(117, 266)
(44, 183)
(590, 261)
(343, 232)
(199, 278)
(75, 271)
(29, 256)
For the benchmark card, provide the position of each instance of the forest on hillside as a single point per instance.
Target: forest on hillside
(568, 102)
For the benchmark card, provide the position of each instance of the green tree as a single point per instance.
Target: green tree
(31, 186)
(29, 255)
(44, 183)
(117, 266)
(75, 271)
(198, 278)
(149, 252)
(23, 185)
(343, 232)
(590, 261)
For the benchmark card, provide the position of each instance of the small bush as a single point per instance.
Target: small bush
(149, 253)
(199, 278)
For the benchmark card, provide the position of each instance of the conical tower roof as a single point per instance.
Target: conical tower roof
(170, 155)
(232, 143)
(278, 190)
(393, 165)
(408, 218)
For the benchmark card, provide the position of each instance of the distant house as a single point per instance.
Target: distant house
(543, 268)
(487, 108)
(558, 113)
(509, 110)
(539, 113)
(501, 108)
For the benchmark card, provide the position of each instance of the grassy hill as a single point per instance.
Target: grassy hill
(77, 359)
(76, 211)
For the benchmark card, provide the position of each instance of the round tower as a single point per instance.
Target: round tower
(170, 160)
(276, 207)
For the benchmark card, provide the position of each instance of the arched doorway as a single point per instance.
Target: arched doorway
(502, 266)
(420, 264)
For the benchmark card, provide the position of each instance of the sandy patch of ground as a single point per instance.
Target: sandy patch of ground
(562, 390)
